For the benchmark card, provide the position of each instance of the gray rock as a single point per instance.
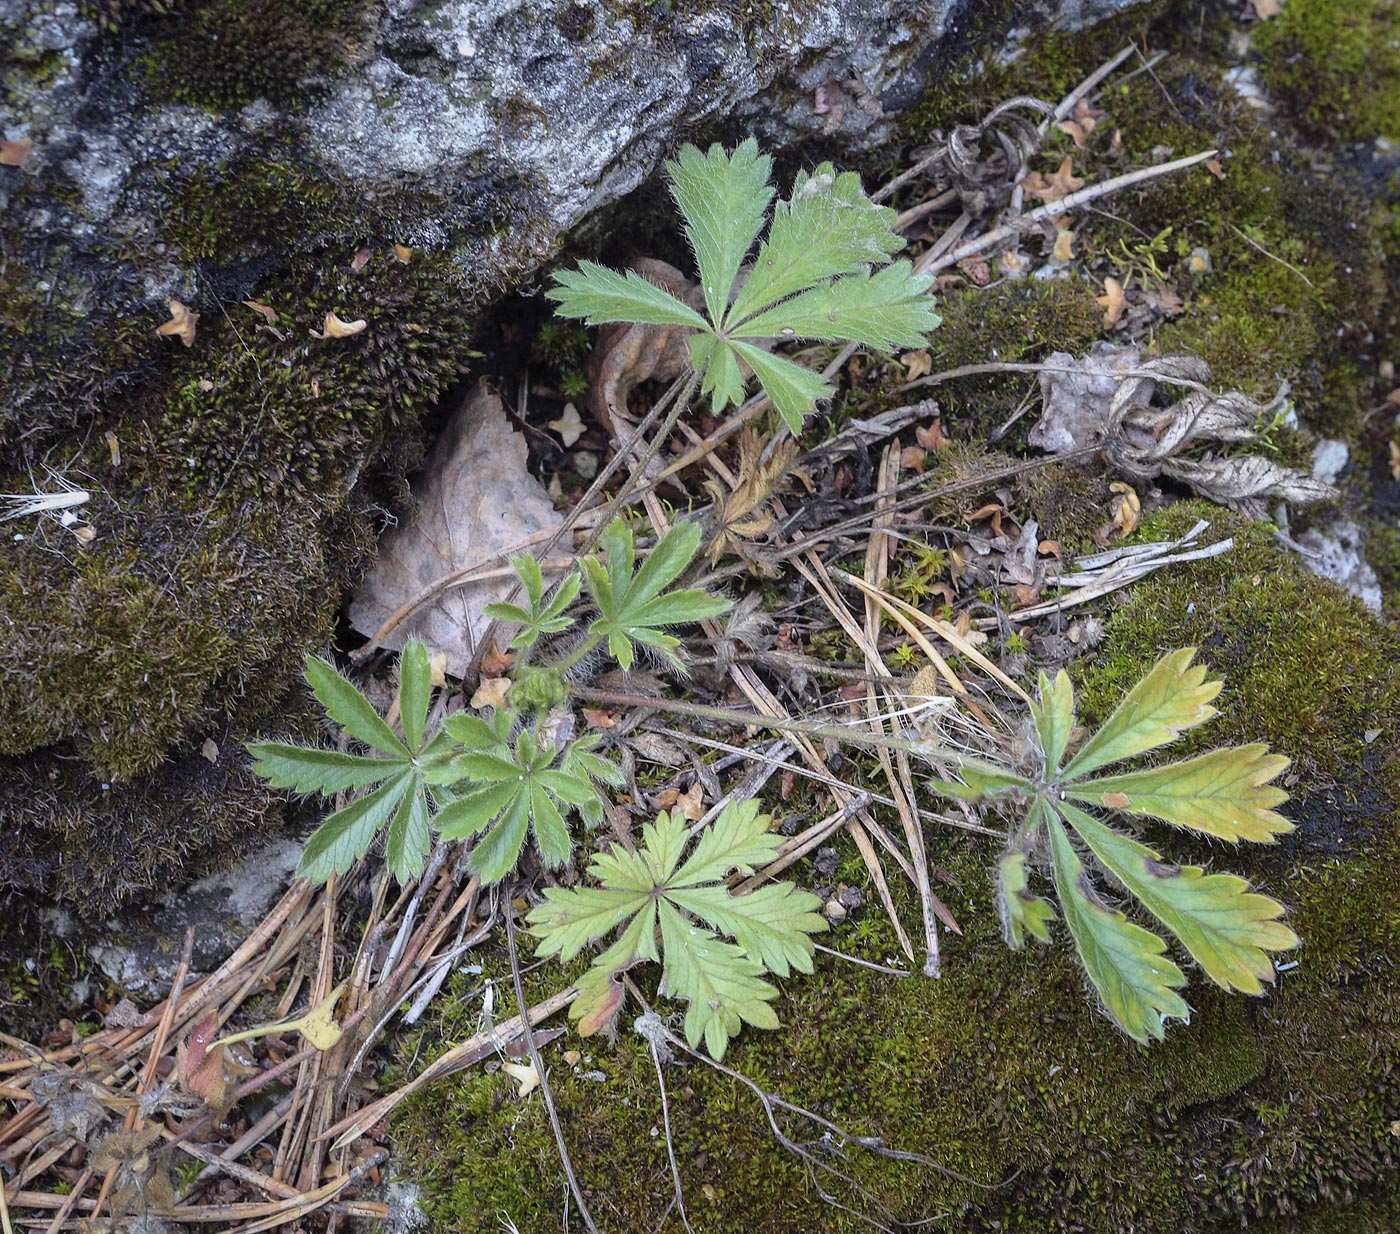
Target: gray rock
(1338, 552)
(223, 909)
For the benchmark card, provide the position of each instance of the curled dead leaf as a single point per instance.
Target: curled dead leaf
(181, 325)
(569, 426)
(335, 328)
(1113, 301)
(525, 1076)
(269, 313)
(491, 693)
(402, 252)
(1055, 187)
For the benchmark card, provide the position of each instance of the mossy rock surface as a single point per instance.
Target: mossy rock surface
(1035, 1113)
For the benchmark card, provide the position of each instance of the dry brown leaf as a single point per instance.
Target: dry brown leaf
(477, 501)
(1113, 301)
(268, 312)
(916, 364)
(525, 1076)
(181, 325)
(743, 514)
(625, 355)
(403, 253)
(599, 717)
(569, 426)
(1265, 9)
(911, 458)
(933, 437)
(495, 662)
(491, 693)
(1064, 245)
(335, 328)
(360, 260)
(1216, 168)
(1395, 459)
(114, 447)
(13, 153)
(691, 803)
(1056, 186)
(1127, 512)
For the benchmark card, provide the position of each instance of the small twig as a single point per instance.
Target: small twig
(538, 1063)
(1054, 209)
(1271, 256)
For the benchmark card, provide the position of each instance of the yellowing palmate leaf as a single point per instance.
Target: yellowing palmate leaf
(1171, 698)
(1225, 793)
(319, 1025)
(1021, 912)
(1128, 966)
(1227, 928)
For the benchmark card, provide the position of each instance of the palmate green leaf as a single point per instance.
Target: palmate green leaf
(722, 980)
(827, 228)
(1227, 928)
(346, 835)
(1127, 965)
(1053, 715)
(598, 295)
(793, 388)
(415, 689)
(724, 199)
(494, 855)
(884, 310)
(718, 365)
(1171, 698)
(722, 986)
(632, 608)
(540, 618)
(351, 709)
(1225, 793)
(309, 770)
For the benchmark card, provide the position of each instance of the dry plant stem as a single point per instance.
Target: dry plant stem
(1054, 209)
(466, 1054)
(528, 1032)
(1086, 87)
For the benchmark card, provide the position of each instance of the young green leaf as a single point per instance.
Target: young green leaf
(415, 689)
(1170, 699)
(811, 278)
(1227, 928)
(1053, 715)
(1126, 964)
(827, 228)
(515, 791)
(540, 618)
(724, 200)
(652, 890)
(403, 773)
(599, 295)
(346, 835)
(1225, 793)
(631, 608)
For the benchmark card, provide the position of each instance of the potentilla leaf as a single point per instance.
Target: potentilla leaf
(346, 835)
(718, 364)
(498, 850)
(772, 923)
(410, 837)
(1225, 793)
(471, 731)
(620, 554)
(351, 709)
(1227, 928)
(1053, 715)
(571, 918)
(793, 388)
(721, 984)
(665, 563)
(739, 839)
(415, 689)
(1174, 696)
(724, 200)
(476, 810)
(598, 295)
(308, 770)
(1021, 912)
(552, 839)
(827, 228)
(677, 608)
(887, 309)
(1126, 964)
(721, 979)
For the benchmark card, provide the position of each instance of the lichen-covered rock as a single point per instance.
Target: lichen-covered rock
(398, 163)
